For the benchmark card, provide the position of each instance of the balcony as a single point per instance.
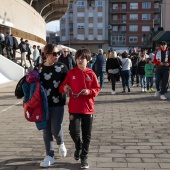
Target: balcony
(119, 32)
(118, 1)
(118, 43)
(118, 10)
(120, 21)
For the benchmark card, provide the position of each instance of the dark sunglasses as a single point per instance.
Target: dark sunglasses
(56, 53)
(66, 51)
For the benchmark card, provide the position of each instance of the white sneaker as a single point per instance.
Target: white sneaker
(156, 94)
(162, 97)
(113, 92)
(48, 160)
(62, 150)
(143, 90)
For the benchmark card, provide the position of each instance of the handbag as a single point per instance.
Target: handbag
(113, 71)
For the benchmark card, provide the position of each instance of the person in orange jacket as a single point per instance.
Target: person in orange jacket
(82, 85)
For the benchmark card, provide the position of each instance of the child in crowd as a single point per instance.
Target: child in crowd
(141, 72)
(82, 84)
(149, 71)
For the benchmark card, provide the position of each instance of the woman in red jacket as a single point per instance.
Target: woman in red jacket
(82, 84)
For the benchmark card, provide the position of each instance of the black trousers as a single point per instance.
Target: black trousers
(85, 121)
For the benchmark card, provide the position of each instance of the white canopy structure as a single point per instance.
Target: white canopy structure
(60, 47)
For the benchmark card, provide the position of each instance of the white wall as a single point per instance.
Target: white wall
(10, 70)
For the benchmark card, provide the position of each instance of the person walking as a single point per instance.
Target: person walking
(15, 46)
(149, 71)
(141, 72)
(36, 55)
(28, 52)
(113, 64)
(162, 62)
(134, 56)
(100, 66)
(67, 59)
(9, 45)
(52, 74)
(125, 73)
(82, 84)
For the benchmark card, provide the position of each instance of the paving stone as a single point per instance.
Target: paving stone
(130, 132)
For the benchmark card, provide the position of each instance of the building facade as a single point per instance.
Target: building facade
(130, 21)
(85, 25)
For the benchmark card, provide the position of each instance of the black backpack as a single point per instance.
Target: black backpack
(18, 90)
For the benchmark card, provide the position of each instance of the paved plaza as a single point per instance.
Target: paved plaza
(131, 131)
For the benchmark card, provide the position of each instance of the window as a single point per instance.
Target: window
(115, 28)
(124, 17)
(115, 17)
(80, 15)
(100, 14)
(145, 28)
(133, 28)
(146, 5)
(123, 28)
(133, 16)
(115, 6)
(133, 5)
(63, 38)
(100, 4)
(133, 39)
(90, 37)
(123, 6)
(118, 40)
(146, 16)
(156, 5)
(80, 4)
(90, 14)
(99, 37)
(100, 25)
(80, 36)
(100, 46)
(91, 25)
(80, 26)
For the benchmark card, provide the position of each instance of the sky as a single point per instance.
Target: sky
(53, 26)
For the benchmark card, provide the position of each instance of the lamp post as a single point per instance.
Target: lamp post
(153, 23)
(161, 5)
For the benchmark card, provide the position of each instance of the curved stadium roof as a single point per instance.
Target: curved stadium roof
(50, 10)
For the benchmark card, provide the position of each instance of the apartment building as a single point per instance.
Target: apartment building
(85, 25)
(131, 20)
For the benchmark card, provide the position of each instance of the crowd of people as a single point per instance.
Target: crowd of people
(135, 69)
(62, 74)
(9, 46)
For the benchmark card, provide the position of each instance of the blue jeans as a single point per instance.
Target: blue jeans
(149, 82)
(143, 81)
(125, 74)
(162, 76)
(101, 75)
(54, 128)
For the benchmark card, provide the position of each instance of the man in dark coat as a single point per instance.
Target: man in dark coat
(67, 59)
(100, 66)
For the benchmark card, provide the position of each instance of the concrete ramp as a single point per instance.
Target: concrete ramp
(3, 79)
(10, 71)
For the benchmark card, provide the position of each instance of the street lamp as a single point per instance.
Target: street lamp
(161, 5)
(153, 23)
